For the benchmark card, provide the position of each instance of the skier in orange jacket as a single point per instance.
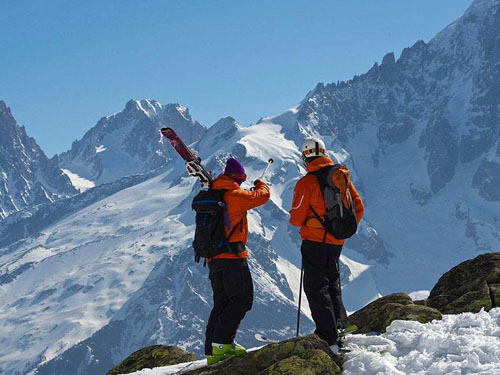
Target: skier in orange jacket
(228, 272)
(320, 249)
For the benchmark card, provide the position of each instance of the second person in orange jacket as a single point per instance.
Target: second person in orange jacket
(320, 249)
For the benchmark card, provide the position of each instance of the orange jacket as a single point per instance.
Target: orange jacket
(307, 193)
(238, 202)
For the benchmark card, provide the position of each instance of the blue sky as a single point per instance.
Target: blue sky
(64, 64)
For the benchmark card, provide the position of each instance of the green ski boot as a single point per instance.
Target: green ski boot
(238, 349)
(220, 352)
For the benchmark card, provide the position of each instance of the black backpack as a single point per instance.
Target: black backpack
(340, 219)
(211, 219)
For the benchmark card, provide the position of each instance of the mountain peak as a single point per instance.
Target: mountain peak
(151, 108)
(475, 21)
(389, 59)
(225, 121)
(176, 108)
(482, 7)
(129, 142)
(27, 176)
(4, 110)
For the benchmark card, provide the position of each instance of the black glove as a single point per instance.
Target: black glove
(257, 181)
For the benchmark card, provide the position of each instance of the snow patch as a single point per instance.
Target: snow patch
(419, 295)
(459, 344)
(292, 274)
(82, 184)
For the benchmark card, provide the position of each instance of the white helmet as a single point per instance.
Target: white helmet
(313, 147)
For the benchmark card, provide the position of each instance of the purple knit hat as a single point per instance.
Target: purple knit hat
(235, 170)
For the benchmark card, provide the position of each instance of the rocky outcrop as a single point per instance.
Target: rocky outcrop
(298, 356)
(150, 357)
(469, 287)
(378, 315)
(303, 355)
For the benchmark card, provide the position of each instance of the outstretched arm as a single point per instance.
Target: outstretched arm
(254, 198)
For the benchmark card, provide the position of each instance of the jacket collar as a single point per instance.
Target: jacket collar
(317, 164)
(225, 182)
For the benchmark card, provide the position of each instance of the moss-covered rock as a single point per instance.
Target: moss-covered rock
(468, 287)
(495, 294)
(150, 357)
(378, 315)
(307, 355)
(316, 362)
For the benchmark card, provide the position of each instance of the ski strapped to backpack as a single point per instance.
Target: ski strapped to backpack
(211, 220)
(340, 219)
(193, 162)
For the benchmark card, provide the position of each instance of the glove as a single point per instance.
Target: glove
(255, 184)
(257, 181)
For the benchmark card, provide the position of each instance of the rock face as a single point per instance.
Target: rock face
(378, 315)
(150, 357)
(300, 356)
(469, 287)
(27, 176)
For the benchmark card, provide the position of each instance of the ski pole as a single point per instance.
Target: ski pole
(269, 162)
(300, 297)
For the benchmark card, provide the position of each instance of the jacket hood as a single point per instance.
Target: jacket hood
(320, 162)
(225, 182)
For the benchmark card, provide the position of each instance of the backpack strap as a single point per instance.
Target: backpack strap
(321, 221)
(240, 223)
(226, 218)
(227, 244)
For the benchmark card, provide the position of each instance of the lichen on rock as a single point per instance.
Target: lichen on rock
(150, 357)
(378, 315)
(469, 287)
(307, 355)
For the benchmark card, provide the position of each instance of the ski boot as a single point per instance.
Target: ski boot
(220, 352)
(347, 330)
(238, 349)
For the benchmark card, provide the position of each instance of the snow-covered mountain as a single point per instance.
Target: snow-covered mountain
(122, 268)
(423, 135)
(420, 134)
(128, 142)
(27, 176)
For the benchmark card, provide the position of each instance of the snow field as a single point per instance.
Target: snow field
(459, 344)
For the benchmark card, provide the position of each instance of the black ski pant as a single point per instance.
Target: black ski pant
(322, 287)
(233, 296)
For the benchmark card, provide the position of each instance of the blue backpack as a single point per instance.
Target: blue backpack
(211, 220)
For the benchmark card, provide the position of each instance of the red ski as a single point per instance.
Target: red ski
(193, 162)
